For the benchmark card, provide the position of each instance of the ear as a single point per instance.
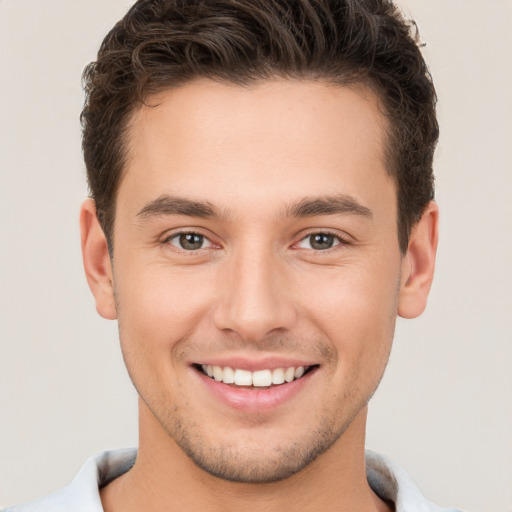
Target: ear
(97, 265)
(418, 264)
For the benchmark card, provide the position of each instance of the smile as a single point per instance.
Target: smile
(260, 378)
(255, 387)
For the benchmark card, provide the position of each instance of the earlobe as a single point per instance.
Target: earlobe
(96, 258)
(418, 264)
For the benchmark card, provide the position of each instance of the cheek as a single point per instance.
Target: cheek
(355, 307)
(159, 308)
(157, 311)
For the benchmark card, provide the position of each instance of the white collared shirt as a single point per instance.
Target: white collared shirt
(388, 480)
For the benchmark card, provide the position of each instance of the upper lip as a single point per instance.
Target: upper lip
(254, 364)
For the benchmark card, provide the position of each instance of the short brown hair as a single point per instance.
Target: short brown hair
(167, 43)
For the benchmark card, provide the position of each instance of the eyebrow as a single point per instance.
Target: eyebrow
(173, 205)
(307, 207)
(329, 205)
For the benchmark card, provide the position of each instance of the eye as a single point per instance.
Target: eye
(319, 241)
(189, 241)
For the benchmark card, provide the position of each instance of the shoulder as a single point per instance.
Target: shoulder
(82, 494)
(391, 482)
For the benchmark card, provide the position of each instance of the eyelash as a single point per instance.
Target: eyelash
(339, 240)
(177, 235)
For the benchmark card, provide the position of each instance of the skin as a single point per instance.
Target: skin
(257, 288)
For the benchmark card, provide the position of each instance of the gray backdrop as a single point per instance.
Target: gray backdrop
(444, 410)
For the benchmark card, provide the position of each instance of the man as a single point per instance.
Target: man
(261, 211)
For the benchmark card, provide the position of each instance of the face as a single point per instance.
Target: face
(256, 241)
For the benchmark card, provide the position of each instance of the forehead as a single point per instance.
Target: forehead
(273, 139)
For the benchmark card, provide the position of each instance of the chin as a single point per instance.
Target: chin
(254, 460)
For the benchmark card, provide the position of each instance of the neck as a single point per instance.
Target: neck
(165, 478)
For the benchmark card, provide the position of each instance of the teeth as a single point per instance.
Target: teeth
(299, 372)
(289, 374)
(278, 376)
(229, 375)
(260, 378)
(243, 377)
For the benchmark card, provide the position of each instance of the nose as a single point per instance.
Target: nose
(255, 300)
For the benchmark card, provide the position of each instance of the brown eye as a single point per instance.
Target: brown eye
(189, 241)
(319, 241)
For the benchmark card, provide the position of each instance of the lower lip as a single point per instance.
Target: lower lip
(255, 400)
